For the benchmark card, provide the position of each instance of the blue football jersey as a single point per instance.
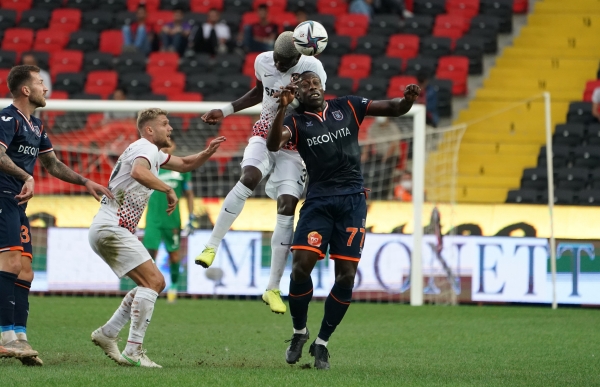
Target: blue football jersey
(23, 140)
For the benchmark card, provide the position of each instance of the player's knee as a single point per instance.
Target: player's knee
(286, 206)
(11, 262)
(300, 272)
(346, 279)
(251, 180)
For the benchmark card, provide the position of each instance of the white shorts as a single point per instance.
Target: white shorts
(120, 249)
(288, 172)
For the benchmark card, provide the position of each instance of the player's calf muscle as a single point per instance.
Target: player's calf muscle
(10, 261)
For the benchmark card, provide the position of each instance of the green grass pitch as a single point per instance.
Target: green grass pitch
(240, 343)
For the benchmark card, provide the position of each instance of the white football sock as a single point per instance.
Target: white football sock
(300, 331)
(8, 336)
(232, 206)
(141, 314)
(318, 341)
(280, 248)
(121, 316)
(22, 336)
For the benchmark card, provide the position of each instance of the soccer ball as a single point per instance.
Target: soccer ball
(310, 38)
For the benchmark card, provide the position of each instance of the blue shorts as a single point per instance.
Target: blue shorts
(337, 222)
(14, 228)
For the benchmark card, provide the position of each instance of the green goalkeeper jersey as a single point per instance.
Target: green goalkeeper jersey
(157, 205)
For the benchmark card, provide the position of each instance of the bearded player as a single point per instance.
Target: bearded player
(273, 69)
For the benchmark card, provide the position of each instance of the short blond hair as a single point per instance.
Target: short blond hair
(148, 115)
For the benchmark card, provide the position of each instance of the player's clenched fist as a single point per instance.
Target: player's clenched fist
(213, 117)
(412, 92)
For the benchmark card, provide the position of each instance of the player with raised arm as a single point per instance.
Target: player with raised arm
(164, 227)
(273, 69)
(112, 233)
(335, 210)
(22, 140)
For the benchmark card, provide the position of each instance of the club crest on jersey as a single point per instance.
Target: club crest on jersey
(37, 131)
(337, 115)
(314, 239)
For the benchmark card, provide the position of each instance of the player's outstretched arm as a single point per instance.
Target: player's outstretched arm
(397, 106)
(140, 171)
(9, 167)
(59, 170)
(191, 162)
(251, 98)
(278, 136)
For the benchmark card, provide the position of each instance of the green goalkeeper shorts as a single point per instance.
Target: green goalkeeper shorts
(153, 236)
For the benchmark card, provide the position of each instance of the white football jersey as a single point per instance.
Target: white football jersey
(272, 79)
(131, 198)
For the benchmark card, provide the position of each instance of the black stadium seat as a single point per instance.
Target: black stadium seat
(228, 64)
(572, 178)
(85, 41)
(418, 25)
(473, 48)
(83, 5)
(70, 82)
(35, 19)
(235, 82)
(595, 178)
(8, 18)
(41, 57)
(561, 155)
(135, 83)
(486, 27)
(175, 4)
(534, 178)
(7, 59)
(339, 45)
(589, 197)
(309, 6)
(593, 134)
(385, 25)
(148, 97)
(339, 86)
(131, 62)
(444, 92)
(114, 5)
(372, 45)
(203, 83)
(373, 87)
(561, 196)
(122, 18)
(330, 63)
(194, 18)
(568, 134)
(435, 47)
(523, 196)
(421, 65)
(85, 96)
(502, 9)
(93, 61)
(237, 6)
(97, 20)
(587, 156)
(194, 65)
(429, 7)
(580, 112)
(328, 21)
(385, 66)
(46, 4)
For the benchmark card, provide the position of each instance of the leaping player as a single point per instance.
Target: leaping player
(273, 69)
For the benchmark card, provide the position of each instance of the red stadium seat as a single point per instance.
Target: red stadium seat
(185, 96)
(17, 5)
(284, 20)
(59, 94)
(151, 5)
(65, 19)
(249, 18)
(332, 7)
(355, 66)
(410, 4)
(520, 6)
(274, 5)
(3, 85)
(157, 19)
(50, 40)
(590, 86)
(398, 84)
(17, 39)
(466, 8)
(111, 41)
(203, 6)
(352, 25)
(67, 61)
(456, 69)
(168, 83)
(162, 62)
(237, 129)
(248, 68)
(102, 83)
(403, 46)
(452, 33)
(451, 21)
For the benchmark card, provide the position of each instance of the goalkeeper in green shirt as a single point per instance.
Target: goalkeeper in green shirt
(167, 228)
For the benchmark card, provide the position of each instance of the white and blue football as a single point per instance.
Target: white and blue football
(310, 38)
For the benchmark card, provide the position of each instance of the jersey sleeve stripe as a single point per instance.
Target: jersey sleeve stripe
(296, 129)
(3, 144)
(167, 160)
(290, 130)
(46, 151)
(353, 111)
(11, 248)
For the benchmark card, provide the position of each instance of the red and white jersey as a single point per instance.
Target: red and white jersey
(272, 79)
(131, 197)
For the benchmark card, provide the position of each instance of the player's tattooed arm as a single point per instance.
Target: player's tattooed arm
(58, 169)
(9, 167)
(278, 135)
(397, 106)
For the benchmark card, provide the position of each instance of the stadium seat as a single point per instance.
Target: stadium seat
(151, 5)
(587, 156)
(248, 67)
(429, 7)
(194, 18)
(386, 67)
(122, 18)
(274, 5)
(421, 65)
(384, 25)
(286, 21)
(332, 7)
(561, 196)
(97, 20)
(595, 178)
(535, 178)
(111, 41)
(195, 64)
(372, 45)
(97, 61)
(561, 155)
(41, 57)
(397, 85)
(131, 62)
(593, 134)
(419, 25)
(59, 94)
(17, 5)
(83, 5)
(435, 47)
(328, 21)
(3, 84)
(66, 20)
(7, 59)
(102, 83)
(523, 196)
(355, 66)
(403, 46)
(168, 82)
(353, 25)
(520, 6)
(48, 5)
(580, 112)
(84, 41)
(330, 63)
(162, 62)
(373, 87)
(589, 197)
(158, 19)
(309, 6)
(17, 39)
(502, 9)
(456, 69)
(233, 20)
(452, 33)
(202, 83)
(69, 82)
(35, 19)
(148, 97)
(50, 40)
(203, 6)
(185, 96)
(472, 48)
(443, 87)
(135, 83)
(86, 96)
(67, 61)
(590, 86)
(339, 45)
(572, 178)
(339, 86)
(236, 83)
(8, 19)
(452, 21)
(228, 64)
(172, 5)
(249, 18)
(237, 6)
(486, 27)
(466, 8)
(569, 134)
